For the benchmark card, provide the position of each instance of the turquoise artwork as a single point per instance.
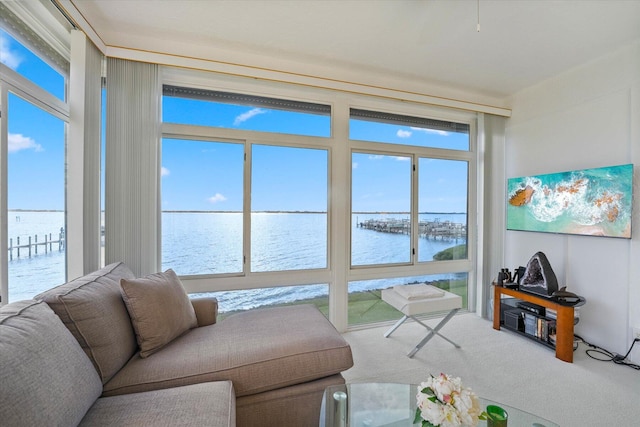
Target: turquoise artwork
(593, 202)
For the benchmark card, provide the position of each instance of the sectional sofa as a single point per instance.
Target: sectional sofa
(112, 349)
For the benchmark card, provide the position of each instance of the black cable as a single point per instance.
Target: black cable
(608, 356)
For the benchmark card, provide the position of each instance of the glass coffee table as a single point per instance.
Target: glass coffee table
(394, 405)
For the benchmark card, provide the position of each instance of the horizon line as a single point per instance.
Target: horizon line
(263, 211)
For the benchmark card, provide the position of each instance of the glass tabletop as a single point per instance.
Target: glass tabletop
(394, 405)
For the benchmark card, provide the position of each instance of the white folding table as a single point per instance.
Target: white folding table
(413, 307)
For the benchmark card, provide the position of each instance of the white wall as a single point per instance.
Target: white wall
(586, 118)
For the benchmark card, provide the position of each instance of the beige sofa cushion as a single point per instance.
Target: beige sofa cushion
(160, 309)
(45, 377)
(258, 350)
(91, 307)
(207, 404)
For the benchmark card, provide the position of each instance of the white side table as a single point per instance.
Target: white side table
(412, 307)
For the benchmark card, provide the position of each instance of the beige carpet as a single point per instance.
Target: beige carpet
(504, 367)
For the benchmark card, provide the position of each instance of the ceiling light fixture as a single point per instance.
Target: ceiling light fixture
(478, 25)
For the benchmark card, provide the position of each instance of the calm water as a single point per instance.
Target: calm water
(207, 243)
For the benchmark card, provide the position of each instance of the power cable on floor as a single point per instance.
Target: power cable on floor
(604, 355)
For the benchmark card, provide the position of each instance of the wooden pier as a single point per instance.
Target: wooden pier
(31, 246)
(444, 230)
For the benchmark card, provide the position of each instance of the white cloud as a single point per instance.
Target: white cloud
(19, 142)
(164, 171)
(249, 114)
(217, 198)
(403, 159)
(403, 133)
(354, 165)
(8, 57)
(437, 132)
(375, 157)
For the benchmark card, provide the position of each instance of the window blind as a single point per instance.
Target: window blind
(11, 23)
(249, 100)
(398, 119)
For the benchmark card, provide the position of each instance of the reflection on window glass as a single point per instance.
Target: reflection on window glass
(20, 59)
(289, 200)
(36, 199)
(202, 202)
(236, 111)
(365, 297)
(381, 206)
(398, 129)
(230, 302)
(442, 203)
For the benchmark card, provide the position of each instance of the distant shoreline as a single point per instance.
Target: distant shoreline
(301, 212)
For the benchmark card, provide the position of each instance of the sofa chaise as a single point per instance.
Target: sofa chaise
(112, 349)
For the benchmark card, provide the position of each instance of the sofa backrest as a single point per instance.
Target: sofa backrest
(92, 308)
(45, 377)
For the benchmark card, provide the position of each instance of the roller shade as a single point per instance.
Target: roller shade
(12, 24)
(398, 119)
(248, 100)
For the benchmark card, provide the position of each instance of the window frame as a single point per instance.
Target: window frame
(13, 82)
(423, 268)
(339, 272)
(202, 282)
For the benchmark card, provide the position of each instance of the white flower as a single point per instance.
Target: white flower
(443, 401)
(468, 407)
(432, 412)
(451, 418)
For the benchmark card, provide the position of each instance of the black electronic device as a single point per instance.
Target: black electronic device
(530, 307)
(565, 296)
(513, 319)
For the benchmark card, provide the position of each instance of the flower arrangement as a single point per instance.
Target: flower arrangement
(444, 402)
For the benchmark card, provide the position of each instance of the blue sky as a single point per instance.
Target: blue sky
(198, 175)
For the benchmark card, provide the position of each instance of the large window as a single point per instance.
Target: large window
(390, 128)
(202, 202)
(244, 112)
(442, 205)
(409, 206)
(22, 60)
(230, 302)
(262, 200)
(36, 196)
(381, 209)
(288, 208)
(365, 296)
(204, 187)
(34, 119)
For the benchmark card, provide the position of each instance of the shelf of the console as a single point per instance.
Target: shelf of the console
(564, 319)
(531, 337)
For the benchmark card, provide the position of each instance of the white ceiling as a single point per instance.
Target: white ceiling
(520, 42)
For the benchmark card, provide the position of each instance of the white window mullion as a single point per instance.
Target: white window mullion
(83, 158)
(34, 94)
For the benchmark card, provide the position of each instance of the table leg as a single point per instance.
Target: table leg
(496, 307)
(437, 333)
(433, 332)
(564, 334)
(396, 326)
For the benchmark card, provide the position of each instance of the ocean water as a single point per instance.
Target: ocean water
(211, 243)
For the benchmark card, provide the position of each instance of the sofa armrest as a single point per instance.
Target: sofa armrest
(206, 309)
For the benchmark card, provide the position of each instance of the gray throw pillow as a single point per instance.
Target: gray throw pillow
(91, 307)
(160, 309)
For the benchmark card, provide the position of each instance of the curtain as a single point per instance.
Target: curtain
(132, 211)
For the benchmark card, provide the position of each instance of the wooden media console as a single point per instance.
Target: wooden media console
(564, 319)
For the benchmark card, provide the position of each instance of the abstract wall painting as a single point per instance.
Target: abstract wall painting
(593, 202)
